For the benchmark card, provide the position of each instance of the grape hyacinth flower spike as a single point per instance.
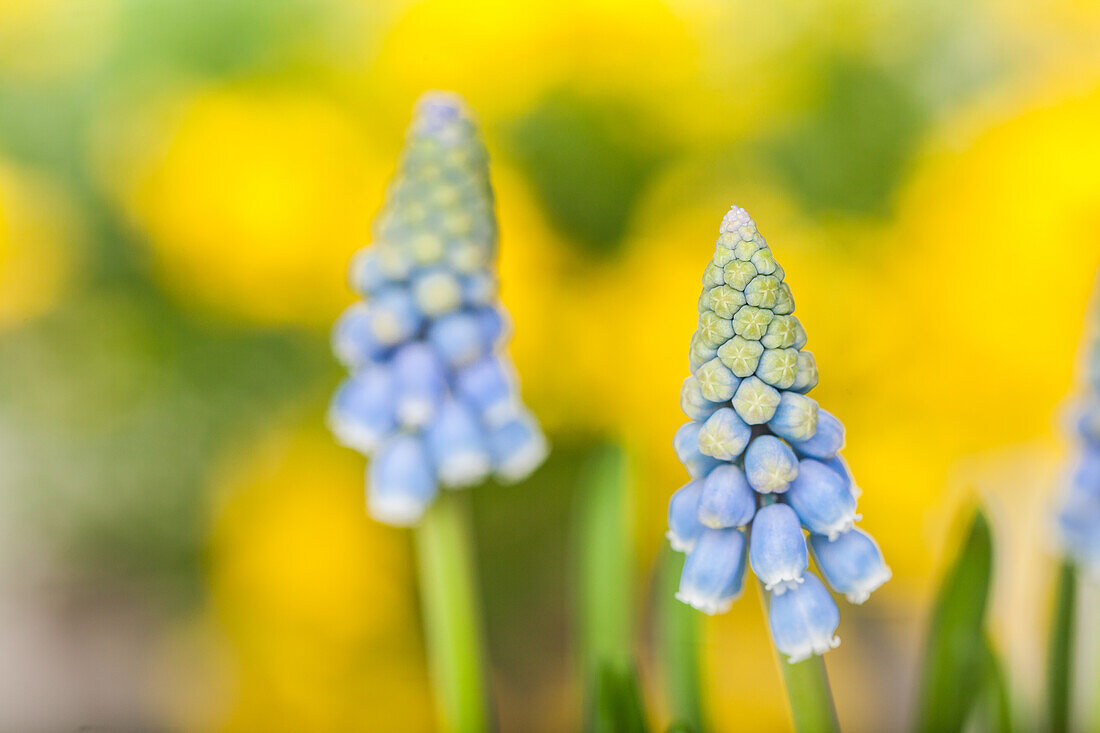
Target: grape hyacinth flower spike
(1079, 519)
(1079, 534)
(432, 398)
(763, 458)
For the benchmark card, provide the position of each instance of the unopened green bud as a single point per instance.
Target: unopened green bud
(751, 322)
(717, 382)
(755, 401)
(698, 352)
(764, 261)
(714, 330)
(741, 355)
(778, 367)
(784, 305)
(738, 274)
(723, 249)
(763, 291)
(724, 300)
(781, 333)
(806, 378)
(712, 276)
(750, 244)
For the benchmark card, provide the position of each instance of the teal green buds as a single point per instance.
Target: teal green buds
(767, 478)
(432, 398)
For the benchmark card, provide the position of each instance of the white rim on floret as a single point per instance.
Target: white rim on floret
(868, 585)
(352, 433)
(396, 508)
(464, 469)
(785, 583)
(841, 526)
(415, 411)
(520, 464)
(677, 543)
(818, 644)
(704, 602)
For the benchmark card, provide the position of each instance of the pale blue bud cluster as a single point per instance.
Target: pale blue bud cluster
(763, 458)
(1079, 519)
(432, 399)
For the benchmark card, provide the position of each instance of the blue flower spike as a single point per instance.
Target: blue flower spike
(768, 481)
(1079, 517)
(432, 398)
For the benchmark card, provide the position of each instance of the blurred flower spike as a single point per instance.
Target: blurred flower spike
(432, 398)
(763, 458)
(1079, 520)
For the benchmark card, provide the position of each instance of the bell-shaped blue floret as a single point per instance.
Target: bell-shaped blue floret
(362, 410)
(419, 383)
(822, 499)
(479, 288)
(686, 445)
(352, 340)
(400, 481)
(777, 548)
(803, 620)
(1086, 474)
(458, 445)
(493, 325)
(852, 563)
(724, 435)
(437, 290)
(826, 442)
(1079, 521)
(714, 571)
(458, 338)
(796, 418)
(518, 447)
(770, 464)
(684, 526)
(693, 403)
(488, 385)
(727, 499)
(365, 273)
(392, 316)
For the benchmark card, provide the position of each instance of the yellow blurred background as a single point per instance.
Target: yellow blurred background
(182, 183)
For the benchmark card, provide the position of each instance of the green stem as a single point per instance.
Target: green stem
(607, 595)
(1060, 668)
(808, 692)
(450, 608)
(678, 634)
(809, 695)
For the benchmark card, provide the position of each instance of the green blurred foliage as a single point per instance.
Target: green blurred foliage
(853, 143)
(958, 656)
(119, 408)
(589, 161)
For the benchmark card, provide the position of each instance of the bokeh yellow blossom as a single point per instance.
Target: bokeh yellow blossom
(315, 600)
(252, 199)
(39, 244)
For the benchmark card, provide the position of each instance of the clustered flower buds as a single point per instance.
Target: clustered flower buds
(432, 398)
(1080, 516)
(763, 458)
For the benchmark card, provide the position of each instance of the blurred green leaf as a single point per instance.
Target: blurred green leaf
(1060, 652)
(853, 144)
(957, 655)
(589, 161)
(607, 594)
(213, 37)
(113, 410)
(997, 701)
(678, 640)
